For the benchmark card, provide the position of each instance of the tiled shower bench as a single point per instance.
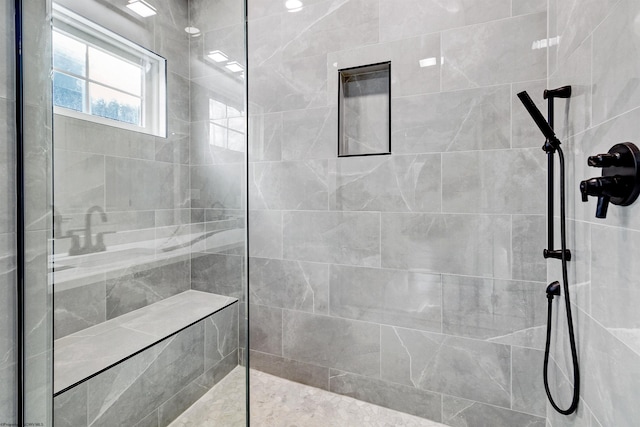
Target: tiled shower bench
(147, 366)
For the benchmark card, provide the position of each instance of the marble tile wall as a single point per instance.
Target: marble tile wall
(8, 376)
(596, 54)
(162, 380)
(414, 281)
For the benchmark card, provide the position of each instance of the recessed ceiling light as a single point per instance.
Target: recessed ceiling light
(293, 5)
(193, 31)
(218, 56)
(142, 8)
(234, 66)
(428, 62)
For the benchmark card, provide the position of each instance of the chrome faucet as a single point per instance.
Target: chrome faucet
(89, 247)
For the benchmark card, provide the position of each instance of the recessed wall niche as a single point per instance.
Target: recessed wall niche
(364, 110)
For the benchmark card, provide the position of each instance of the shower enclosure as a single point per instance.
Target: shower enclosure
(131, 244)
(186, 226)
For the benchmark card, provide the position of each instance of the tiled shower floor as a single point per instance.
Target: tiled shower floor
(276, 402)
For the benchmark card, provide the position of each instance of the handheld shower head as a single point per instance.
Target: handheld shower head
(538, 118)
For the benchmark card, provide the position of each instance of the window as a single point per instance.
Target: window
(102, 77)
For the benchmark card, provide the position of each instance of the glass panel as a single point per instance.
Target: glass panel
(236, 137)
(228, 133)
(113, 104)
(236, 141)
(234, 112)
(68, 92)
(218, 133)
(115, 72)
(69, 54)
(217, 109)
(36, 229)
(143, 233)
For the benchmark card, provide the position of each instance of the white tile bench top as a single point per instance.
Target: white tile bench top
(87, 352)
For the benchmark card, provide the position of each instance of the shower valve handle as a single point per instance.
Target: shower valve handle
(612, 186)
(620, 180)
(603, 188)
(604, 160)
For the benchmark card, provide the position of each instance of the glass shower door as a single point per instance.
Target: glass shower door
(148, 265)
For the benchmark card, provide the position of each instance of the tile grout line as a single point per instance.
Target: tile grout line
(513, 264)
(380, 354)
(511, 377)
(380, 239)
(442, 307)
(592, 88)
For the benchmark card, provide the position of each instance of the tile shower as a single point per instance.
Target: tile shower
(415, 281)
(412, 281)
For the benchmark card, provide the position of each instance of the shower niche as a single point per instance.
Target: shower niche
(364, 110)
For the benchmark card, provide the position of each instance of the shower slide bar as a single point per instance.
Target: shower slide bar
(550, 146)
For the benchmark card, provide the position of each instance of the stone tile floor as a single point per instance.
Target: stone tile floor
(276, 402)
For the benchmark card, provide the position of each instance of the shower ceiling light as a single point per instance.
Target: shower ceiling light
(142, 8)
(217, 56)
(193, 31)
(428, 62)
(293, 5)
(234, 66)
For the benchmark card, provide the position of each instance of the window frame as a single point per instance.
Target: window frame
(153, 97)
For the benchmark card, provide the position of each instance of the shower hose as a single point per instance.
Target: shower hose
(554, 289)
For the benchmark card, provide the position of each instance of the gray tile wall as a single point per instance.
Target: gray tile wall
(414, 281)
(162, 380)
(597, 55)
(7, 220)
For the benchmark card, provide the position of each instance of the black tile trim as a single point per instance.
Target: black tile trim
(340, 72)
(20, 212)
